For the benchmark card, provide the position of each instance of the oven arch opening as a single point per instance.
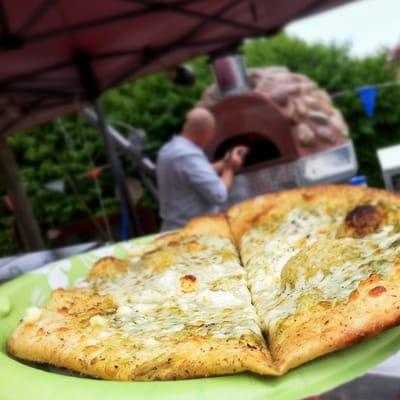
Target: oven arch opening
(262, 149)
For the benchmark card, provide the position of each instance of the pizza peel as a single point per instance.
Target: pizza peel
(25, 381)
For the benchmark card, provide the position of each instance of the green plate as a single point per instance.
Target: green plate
(21, 381)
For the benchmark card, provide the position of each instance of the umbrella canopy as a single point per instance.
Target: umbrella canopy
(57, 55)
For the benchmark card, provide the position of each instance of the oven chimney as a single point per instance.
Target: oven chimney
(230, 74)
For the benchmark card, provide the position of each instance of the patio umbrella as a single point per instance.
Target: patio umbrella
(58, 56)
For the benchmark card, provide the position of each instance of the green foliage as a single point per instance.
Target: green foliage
(69, 148)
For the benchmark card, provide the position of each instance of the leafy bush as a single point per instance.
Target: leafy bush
(69, 148)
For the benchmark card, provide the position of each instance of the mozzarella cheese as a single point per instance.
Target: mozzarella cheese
(266, 253)
(98, 321)
(33, 314)
(281, 283)
(153, 306)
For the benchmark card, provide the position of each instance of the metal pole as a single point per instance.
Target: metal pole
(88, 77)
(145, 167)
(128, 209)
(27, 224)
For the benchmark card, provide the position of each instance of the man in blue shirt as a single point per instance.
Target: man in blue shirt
(189, 185)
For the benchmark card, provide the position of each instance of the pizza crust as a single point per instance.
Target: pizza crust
(108, 268)
(317, 329)
(210, 225)
(245, 215)
(326, 327)
(75, 330)
(63, 342)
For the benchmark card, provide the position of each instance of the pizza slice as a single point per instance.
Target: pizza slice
(323, 266)
(178, 309)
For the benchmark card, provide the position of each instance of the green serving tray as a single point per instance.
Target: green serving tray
(20, 381)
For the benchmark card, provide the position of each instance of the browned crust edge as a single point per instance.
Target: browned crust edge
(190, 358)
(244, 215)
(325, 328)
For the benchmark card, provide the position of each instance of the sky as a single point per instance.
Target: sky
(367, 25)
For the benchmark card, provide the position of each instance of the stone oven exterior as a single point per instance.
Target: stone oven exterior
(295, 134)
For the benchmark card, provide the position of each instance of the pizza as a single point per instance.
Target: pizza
(323, 267)
(276, 282)
(180, 309)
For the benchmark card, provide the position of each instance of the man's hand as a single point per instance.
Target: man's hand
(234, 159)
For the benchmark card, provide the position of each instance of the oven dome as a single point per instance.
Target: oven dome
(315, 124)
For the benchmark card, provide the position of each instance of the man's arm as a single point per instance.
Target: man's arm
(202, 177)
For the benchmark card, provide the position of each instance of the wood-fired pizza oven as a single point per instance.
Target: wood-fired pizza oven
(295, 135)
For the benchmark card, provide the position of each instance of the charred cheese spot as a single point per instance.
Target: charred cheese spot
(62, 329)
(373, 278)
(363, 220)
(40, 332)
(188, 283)
(377, 291)
(325, 304)
(354, 295)
(307, 196)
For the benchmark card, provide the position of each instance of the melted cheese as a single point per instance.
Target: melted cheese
(222, 299)
(33, 314)
(92, 342)
(332, 276)
(150, 342)
(99, 321)
(266, 253)
(104, 334)
(151, 304)
(337, 286)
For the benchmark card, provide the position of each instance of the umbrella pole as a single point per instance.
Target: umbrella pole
(28, 227)
(128, 209)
